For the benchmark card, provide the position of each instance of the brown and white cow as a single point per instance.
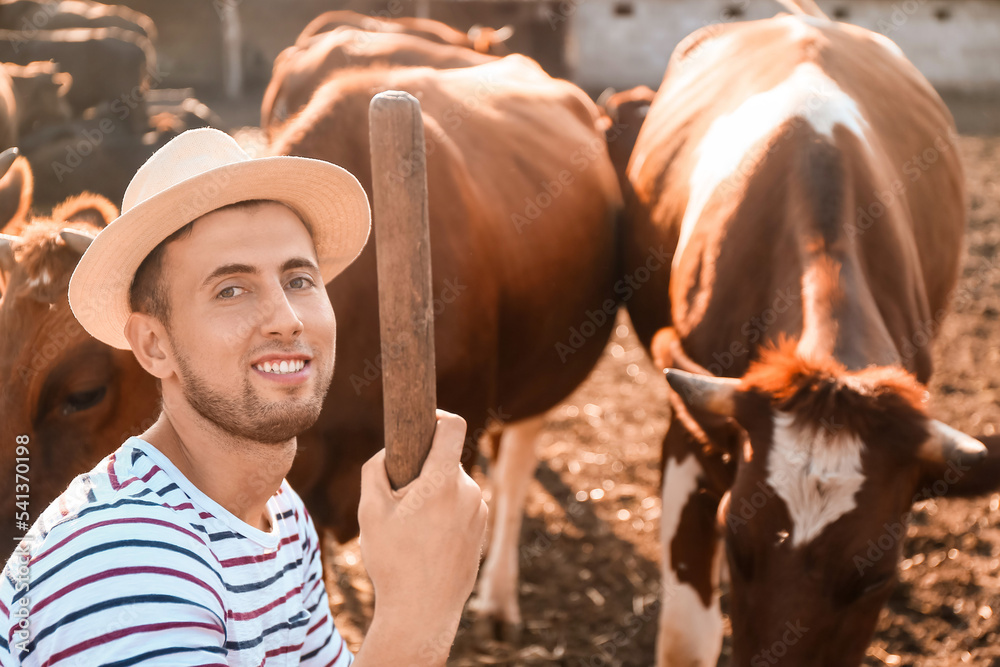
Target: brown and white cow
(806, 179)
(301, 69)
(522, 202)
(73, 398)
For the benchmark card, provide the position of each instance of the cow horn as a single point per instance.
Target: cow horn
(76, 239)
(7, 159)
(947, 444)
(501, 35)
(606, 94)
(7, 252)
(711, 394)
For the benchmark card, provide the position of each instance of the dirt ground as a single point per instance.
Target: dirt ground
(590, 545)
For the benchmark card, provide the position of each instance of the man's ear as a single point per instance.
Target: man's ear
(148, 339)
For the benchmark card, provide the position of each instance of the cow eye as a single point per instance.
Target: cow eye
(83, 400)
(865, 586)
(876, 584)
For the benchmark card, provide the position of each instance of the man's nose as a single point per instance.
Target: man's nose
(280, 320)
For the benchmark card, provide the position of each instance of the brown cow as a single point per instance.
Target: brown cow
(300, 70)
(29, 16)
(108, 65)
(522, 199)
(479, 38)
(31, 96)
(777, 165)
(40, 95)
(69, 396)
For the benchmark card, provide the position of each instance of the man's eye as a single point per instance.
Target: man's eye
(300, 282)
(230, 292)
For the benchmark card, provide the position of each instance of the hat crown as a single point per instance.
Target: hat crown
(187, 156)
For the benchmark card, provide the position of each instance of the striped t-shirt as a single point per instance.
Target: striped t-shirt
(133, 565)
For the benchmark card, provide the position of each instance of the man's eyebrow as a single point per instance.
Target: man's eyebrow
(228, 270)
(299, 263)
(234, 269)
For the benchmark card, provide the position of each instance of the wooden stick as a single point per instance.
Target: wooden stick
(406, 308)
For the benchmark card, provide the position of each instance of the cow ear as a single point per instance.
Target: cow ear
(704, 393)
(87, 207)
(63, 81)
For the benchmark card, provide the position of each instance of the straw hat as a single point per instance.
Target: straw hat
(195, 173)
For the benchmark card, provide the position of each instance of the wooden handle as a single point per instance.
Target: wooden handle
(406, 308)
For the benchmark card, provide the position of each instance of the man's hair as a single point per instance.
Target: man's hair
(148, 294)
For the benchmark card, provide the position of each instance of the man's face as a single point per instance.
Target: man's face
(251, 327)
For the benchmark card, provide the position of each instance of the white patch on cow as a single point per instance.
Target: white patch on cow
(690, 633)
(43, 278)
(817, 473)
(733, 144)
(511, 476)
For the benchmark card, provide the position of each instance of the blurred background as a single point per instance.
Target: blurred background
(594, 43)
(589, 550)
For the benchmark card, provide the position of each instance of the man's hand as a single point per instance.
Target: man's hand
(421, 546)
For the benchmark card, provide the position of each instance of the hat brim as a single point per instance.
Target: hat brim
(329, 200)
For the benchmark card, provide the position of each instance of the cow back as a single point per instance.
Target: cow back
(903, 224)
(301, 69)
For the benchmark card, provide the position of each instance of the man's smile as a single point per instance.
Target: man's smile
(288, 369)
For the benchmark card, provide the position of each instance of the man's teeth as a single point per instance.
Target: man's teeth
(281, 367)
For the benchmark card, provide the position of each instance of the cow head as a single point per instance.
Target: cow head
(831, 462)
(71, 398)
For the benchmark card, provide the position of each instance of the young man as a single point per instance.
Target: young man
(186, 546)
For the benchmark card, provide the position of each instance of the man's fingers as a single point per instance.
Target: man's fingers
(446, 447)
(373, 474)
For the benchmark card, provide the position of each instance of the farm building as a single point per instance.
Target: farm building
(595, 43)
